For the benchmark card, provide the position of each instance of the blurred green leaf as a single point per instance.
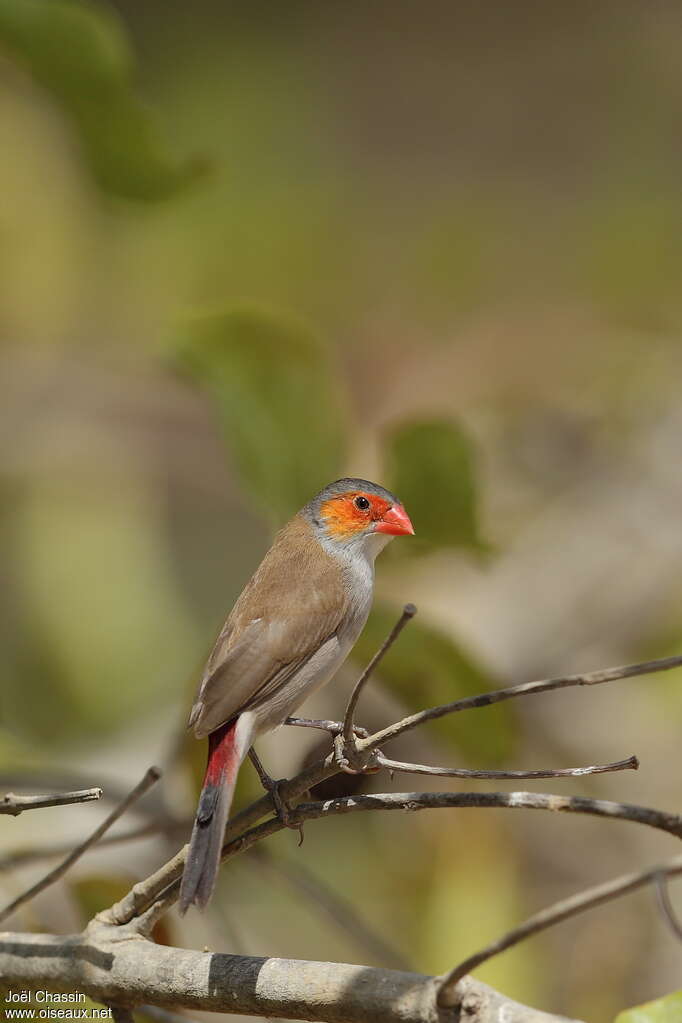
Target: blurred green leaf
(461, 907)
(103, 631)
(279, 402)
(426, 668)
(78, 51)
(663, 1010)
(430, 465)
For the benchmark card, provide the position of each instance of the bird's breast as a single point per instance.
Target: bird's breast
(359, 583)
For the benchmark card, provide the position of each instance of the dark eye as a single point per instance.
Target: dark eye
(362, 503)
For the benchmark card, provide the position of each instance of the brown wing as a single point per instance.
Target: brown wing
(293, 604)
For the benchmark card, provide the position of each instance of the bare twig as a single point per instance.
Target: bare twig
(591, 678)
(150, 899)
(658, 819)
(325, 725)
(666, 905)
(631, 764)
(151, 776)
(144, 894)
(409, 611)
(448, 995)
(15, 805)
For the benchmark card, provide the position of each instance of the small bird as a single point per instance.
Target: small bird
(292, 627)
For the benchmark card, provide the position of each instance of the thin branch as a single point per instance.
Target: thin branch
(151, 776)
(143, 894)
(53, 775)
(631, 764)
(591, 678)
(325, 725)
(666, 905)
(447, 994)
(658, 819)
(409, 611)
(15, 805)
(155, 895)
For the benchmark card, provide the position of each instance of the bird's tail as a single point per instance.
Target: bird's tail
(227, 747)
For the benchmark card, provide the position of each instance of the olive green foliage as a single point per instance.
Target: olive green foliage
(662, 1010)
(419, 454)
(276, 393)
(80, 53)
(458, 267)
(277, 397)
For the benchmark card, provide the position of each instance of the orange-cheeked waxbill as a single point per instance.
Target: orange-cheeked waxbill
(292, 627)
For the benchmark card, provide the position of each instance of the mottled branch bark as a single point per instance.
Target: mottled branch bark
(119, 968)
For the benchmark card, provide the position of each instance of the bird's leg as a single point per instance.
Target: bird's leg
(272, 787)
(333, 727)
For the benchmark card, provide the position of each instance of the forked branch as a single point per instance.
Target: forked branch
(241, 833)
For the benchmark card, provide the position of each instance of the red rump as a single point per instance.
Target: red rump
(222, 748)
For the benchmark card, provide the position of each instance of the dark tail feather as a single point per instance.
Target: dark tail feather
(225, 754)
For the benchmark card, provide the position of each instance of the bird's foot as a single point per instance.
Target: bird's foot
(282, 808)
(273, 787)
(351, 760)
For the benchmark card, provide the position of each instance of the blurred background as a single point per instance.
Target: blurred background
(248, 248)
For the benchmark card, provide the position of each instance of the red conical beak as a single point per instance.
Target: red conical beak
(395, 522)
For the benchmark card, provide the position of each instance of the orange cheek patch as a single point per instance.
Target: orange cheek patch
(341, 518)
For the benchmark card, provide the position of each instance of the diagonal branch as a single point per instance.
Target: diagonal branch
(15, 805)
(448, 995)
(590, 678)
(151, 776)
(143, 894)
